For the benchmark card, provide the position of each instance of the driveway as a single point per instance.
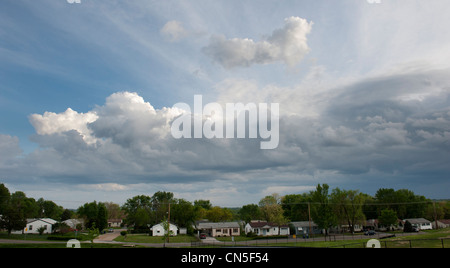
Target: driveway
(108, 237)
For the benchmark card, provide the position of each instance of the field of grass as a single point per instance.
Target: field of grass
(144, 238)
(428, 239)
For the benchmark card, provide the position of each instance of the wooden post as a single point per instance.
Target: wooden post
(435, 215)
(309, 216)
(168, 231)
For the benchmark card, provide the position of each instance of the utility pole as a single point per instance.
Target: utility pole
(435, 215)
(168, 231)
(309, 216)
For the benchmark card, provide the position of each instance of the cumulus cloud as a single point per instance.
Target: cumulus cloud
(288, 45)
(352, 131)
(51, 123)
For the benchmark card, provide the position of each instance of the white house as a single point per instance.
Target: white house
(33, 226)
(218, 229)
(158, 230)
(421, 223)
(114, 222)
(263, 228)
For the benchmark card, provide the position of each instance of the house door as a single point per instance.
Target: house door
(264, 231)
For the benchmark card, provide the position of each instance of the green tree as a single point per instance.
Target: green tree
(321, 209)
(408, 228)
(114, 211)
(102, 217)
(5, 196)
(13, 210)
(160, 205)
(139, 211)
(67, 214)
(404, 202)
(49, 209)
(206, 204)
(295, 206)
(348, 206)
(250, 212)
(271, 209)
(182, 213)
(95, 215)
(218, 214)
(388, 217)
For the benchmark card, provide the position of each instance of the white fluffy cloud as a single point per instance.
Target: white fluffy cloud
(51, 123)
(288, 45)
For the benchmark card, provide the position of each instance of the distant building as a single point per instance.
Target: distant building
(216, 229)
(158, 230)
(74, 223)
(421, 223)
(33, 225)
(115, 222)
(441, 224)
(263, 228)
(303, 228)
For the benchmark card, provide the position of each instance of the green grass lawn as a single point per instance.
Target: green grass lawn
(430, 239)
(143, 238)
(60, 245)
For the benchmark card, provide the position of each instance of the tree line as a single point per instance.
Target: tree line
(326, 207)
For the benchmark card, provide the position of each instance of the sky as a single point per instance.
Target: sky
(87, 95)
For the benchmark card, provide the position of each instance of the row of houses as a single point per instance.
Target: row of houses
(33, 226)
(223, 229)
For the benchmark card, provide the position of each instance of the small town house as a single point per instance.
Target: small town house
(33, 226)
(263, 228)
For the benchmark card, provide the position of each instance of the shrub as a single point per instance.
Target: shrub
(408, 227)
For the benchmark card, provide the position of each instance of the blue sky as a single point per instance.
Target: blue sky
(86, 94)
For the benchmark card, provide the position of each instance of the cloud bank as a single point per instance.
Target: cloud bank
(374, 127)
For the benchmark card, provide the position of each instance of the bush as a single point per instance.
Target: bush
(123, 233)
(408, 227)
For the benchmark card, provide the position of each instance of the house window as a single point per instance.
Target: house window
(30, 227)
(218, 230)
(235, 230)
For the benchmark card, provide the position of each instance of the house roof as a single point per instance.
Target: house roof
(115, 220)
(160, 224)
(417, 220)
(46, 220)
(265, 225)
(218, 225)
(303, 224)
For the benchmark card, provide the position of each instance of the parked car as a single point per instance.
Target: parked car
(369, 232)
(202, 236)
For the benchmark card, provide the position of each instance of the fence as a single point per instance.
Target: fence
(298, 242)
(411, 243)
